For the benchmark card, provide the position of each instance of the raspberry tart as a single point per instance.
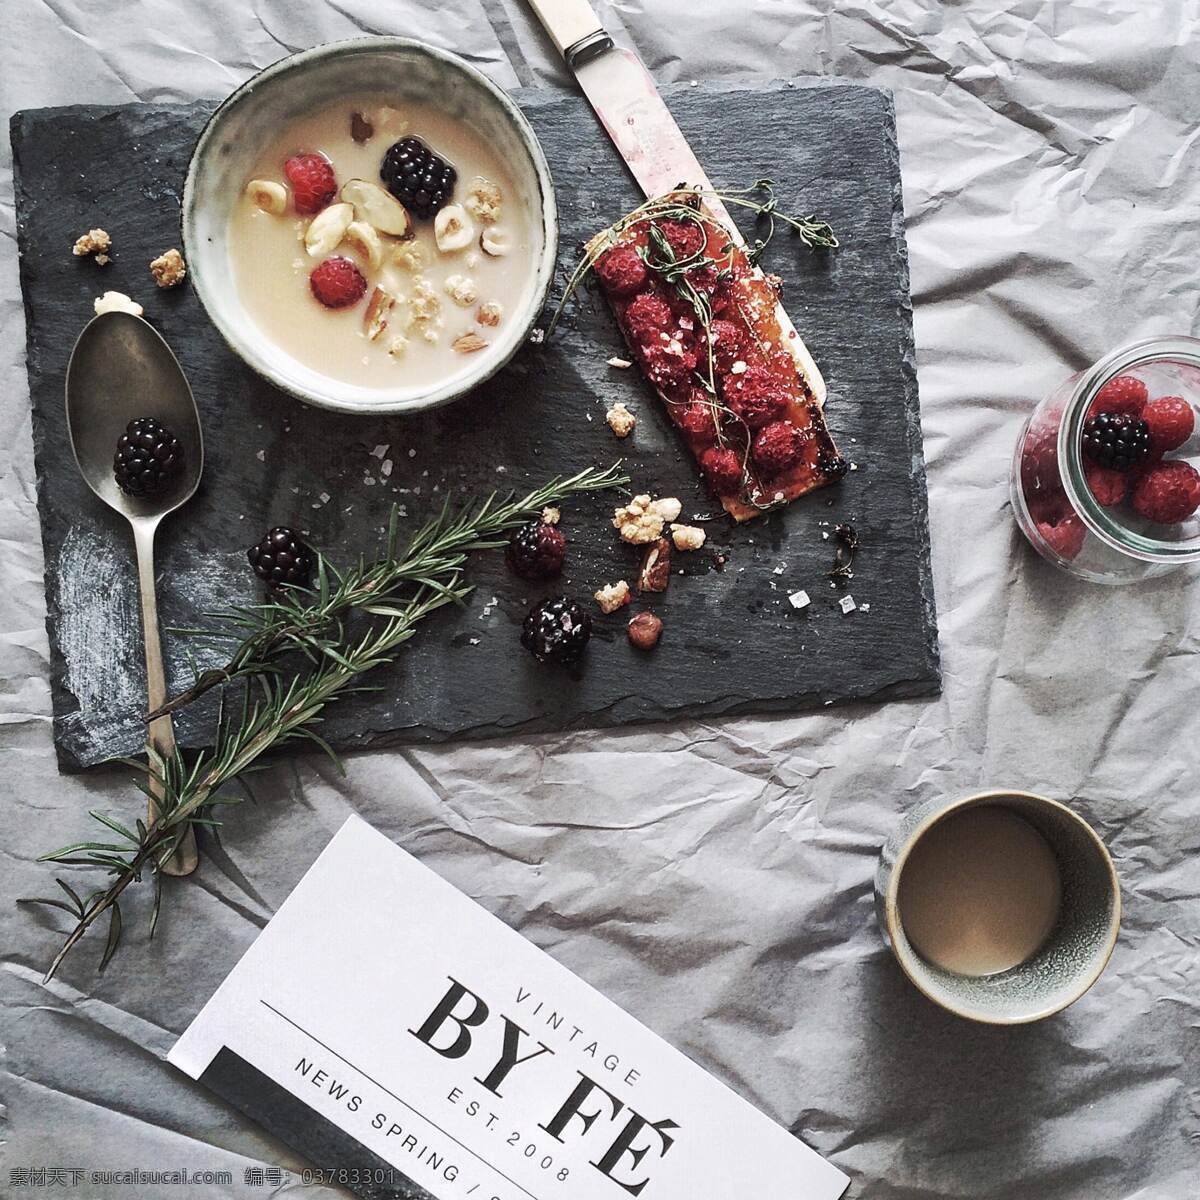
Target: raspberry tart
(705, 326)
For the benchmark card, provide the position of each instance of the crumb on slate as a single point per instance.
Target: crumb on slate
(168, 269)
(95, 241)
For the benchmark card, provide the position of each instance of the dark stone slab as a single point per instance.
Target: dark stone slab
(732, 643)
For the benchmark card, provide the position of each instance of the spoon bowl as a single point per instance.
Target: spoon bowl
(122, 369)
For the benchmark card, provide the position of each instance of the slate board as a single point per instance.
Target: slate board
(732, 643)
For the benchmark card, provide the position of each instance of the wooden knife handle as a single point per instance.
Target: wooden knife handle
(570, 24)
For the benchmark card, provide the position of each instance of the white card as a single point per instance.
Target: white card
(386, 1025)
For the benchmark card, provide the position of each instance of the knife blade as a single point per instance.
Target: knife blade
(627, 102)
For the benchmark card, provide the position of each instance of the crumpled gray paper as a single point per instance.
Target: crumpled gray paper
(715, 878)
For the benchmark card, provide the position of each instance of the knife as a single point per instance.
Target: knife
(626, 99)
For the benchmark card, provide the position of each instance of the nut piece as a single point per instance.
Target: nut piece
(551, 515)
(377, 207)
(424, 311)
(621, 364)
(620, 420)
(644, 630)
(361, 129)
(494, 242)
(410, 257)
(379, 309)
(489, 313)
(656, 567)
(390, 121)
(398, 346)
(326, 230)
(168, 269)
(468, 343)
(461, 290)
(96, 242)
(612, 595)
(452, 229)
(687, 537)
(269, 196)
(362, 238)
(483, 200)
(641, 521)
(117, 302)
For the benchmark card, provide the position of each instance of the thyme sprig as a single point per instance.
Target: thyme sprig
(759, 198)
(395, 592)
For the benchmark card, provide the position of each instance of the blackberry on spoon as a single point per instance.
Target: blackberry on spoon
(148, 458)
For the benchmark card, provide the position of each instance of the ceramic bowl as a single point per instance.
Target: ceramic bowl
(234, 138)
(1078, 947)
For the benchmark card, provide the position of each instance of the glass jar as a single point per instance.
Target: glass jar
(1083, 518)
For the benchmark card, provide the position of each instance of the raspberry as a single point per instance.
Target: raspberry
(337, 283)
(685, 237)
(647, 316)
(1122, 394)
(621, 271)
(728, 344)
(670, 363)
(723, 470)
(696, 419)
(1064, 537)
(779, 447)
(1039, 460)
(1167, 493)
(313, 181)
(756, 396)
(1048, 509)
(1171, 422)
(1108, 486)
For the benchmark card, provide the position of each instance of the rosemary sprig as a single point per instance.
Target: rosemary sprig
(396, 592)
(299, 620)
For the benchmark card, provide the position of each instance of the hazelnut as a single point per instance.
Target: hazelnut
(644, 630)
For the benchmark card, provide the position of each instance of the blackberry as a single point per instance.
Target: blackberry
(282, 558)
(148, 458)
(536, 551)
(556, 631)
(421, 180)
(1116, 440)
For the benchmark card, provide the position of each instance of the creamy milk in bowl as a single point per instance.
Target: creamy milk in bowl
(371, 225)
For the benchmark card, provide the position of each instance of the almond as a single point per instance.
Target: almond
(378, 207)
(379, 308)
(656, 567)
(468, 343)
(326, 230)
(363, 238)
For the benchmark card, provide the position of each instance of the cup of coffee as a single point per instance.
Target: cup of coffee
(1002, 907)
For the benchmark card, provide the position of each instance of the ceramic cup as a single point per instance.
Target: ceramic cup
(1077, 948)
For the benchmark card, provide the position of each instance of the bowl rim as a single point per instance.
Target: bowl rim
(451, 390)
(900, 947)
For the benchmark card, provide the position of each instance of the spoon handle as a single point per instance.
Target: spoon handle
(161, 734)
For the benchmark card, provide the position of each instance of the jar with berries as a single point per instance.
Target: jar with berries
(1104, 481)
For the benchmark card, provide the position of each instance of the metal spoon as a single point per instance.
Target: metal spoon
(121, 369)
